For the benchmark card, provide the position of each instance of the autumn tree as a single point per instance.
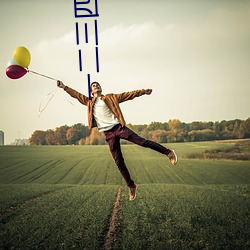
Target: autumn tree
(77, 133)
(95, 138)
(38, 138)
(60, 133)
(202, 135)
(175, 133)
(244, 129)
(157, 126)
(70, 136)
(50, 137)
(159, 135)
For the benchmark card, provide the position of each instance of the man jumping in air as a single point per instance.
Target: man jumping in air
(104, 113)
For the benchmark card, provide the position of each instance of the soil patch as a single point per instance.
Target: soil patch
(112, 230)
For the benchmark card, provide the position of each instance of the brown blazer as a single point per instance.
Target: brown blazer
(111, 100)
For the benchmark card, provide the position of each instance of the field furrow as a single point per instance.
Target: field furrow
(112, 233)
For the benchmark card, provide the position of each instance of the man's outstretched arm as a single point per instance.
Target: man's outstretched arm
(80, 97)
(132, 94)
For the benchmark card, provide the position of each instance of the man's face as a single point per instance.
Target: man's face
(95, 87)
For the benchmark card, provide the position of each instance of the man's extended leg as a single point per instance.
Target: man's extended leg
(129, 135)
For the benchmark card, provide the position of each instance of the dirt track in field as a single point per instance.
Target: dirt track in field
(112, 231)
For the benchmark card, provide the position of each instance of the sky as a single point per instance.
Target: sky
(194, 54)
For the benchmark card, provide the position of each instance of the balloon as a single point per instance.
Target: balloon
(11, 62)
(22, 56)
(15, 71)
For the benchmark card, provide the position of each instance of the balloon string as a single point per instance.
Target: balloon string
(50, 96)
(71, 103)
(31, 71)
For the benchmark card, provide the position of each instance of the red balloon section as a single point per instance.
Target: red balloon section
(15, 71)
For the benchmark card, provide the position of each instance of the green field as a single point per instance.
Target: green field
(62, 197)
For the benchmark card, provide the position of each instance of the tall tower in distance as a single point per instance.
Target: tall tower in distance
(1, 138)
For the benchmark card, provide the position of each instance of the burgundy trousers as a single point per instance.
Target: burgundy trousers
(113, 137)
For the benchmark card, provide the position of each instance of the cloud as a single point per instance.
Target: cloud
(58, 48)
(120, 43)
(122, 33)
(179, 52)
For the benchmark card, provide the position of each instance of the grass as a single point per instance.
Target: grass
(187, 217)
(65, 218)
(61, 197)
(57, 165)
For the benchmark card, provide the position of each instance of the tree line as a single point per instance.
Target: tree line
(172, 131)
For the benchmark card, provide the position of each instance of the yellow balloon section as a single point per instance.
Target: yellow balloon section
(22, 56)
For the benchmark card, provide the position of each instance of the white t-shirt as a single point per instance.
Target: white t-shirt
(105, 119)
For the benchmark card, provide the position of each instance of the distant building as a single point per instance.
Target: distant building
(1, 138)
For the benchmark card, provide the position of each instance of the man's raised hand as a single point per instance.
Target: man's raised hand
(60, 84)
(148, 91)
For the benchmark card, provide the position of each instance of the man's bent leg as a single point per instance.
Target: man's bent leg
(115, 149)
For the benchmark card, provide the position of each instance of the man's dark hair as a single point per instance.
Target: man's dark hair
(93, 83)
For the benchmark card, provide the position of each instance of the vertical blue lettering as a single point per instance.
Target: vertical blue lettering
(89, 87)
(80, 59)
(77, 34)
(97, 59)
(96, 34)
(86, 32)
